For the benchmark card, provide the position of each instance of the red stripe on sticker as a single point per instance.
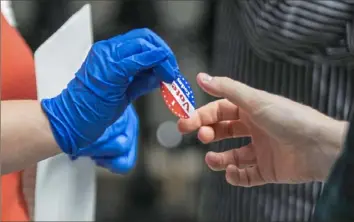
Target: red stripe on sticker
(172, 103)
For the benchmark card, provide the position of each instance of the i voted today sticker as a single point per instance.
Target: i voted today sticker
(179, 97)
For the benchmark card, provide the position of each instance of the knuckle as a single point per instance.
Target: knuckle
(219, 113)
(231, 129)
(220, 81)
(98, 49)
(141, 41)
(235, 157)
(97, 46)
(144, 44)
(146, 31)
(223, 79)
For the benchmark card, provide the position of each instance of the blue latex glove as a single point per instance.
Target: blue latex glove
(116, 149)
(115, 72)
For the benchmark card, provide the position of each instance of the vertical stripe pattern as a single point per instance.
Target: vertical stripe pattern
(283, 51)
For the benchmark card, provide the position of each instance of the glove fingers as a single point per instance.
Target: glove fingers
(108, 139)
(126, 141)
(149, 36)
(149, 80)
(165, 71)
(145, 83)
(121, 164)
(137, 63)
(120, 144)
(133, 47)
(117, 145)
(118, 138)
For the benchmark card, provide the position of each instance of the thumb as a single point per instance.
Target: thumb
(246, 97)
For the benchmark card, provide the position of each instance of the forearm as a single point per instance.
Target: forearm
(26, 136)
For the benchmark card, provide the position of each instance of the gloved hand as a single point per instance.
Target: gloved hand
(116, 149)
(115, 72)
(291, 142)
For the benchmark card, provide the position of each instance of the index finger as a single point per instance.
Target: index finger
(144, 33)
(157, 41)
(211, 113)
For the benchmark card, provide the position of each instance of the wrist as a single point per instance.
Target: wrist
(77, 116)
(57, 117)
(331, 140)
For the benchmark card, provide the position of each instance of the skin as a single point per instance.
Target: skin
(26, 137)
(291, 142)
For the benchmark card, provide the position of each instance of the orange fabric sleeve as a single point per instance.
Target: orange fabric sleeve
(17, 82)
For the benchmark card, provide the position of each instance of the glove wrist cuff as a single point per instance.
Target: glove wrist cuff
(60, 132)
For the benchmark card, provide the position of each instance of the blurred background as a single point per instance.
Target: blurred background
(165, 184)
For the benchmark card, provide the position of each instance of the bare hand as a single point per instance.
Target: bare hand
(291, 142)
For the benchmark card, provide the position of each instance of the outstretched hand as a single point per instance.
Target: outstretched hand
(291, 142)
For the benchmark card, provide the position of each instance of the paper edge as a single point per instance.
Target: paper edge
(74, 16)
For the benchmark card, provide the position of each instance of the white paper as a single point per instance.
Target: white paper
(7, 11)
(65, 189)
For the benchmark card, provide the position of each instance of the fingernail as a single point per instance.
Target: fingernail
(205, 77)
(231, 168)
(212, 154)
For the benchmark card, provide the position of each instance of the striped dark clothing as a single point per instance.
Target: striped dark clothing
(303, 50)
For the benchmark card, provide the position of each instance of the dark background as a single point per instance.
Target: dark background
(165, 184)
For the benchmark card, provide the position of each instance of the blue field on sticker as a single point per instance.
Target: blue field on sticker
(182, 83)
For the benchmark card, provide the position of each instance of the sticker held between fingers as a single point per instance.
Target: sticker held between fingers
(179, 97)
